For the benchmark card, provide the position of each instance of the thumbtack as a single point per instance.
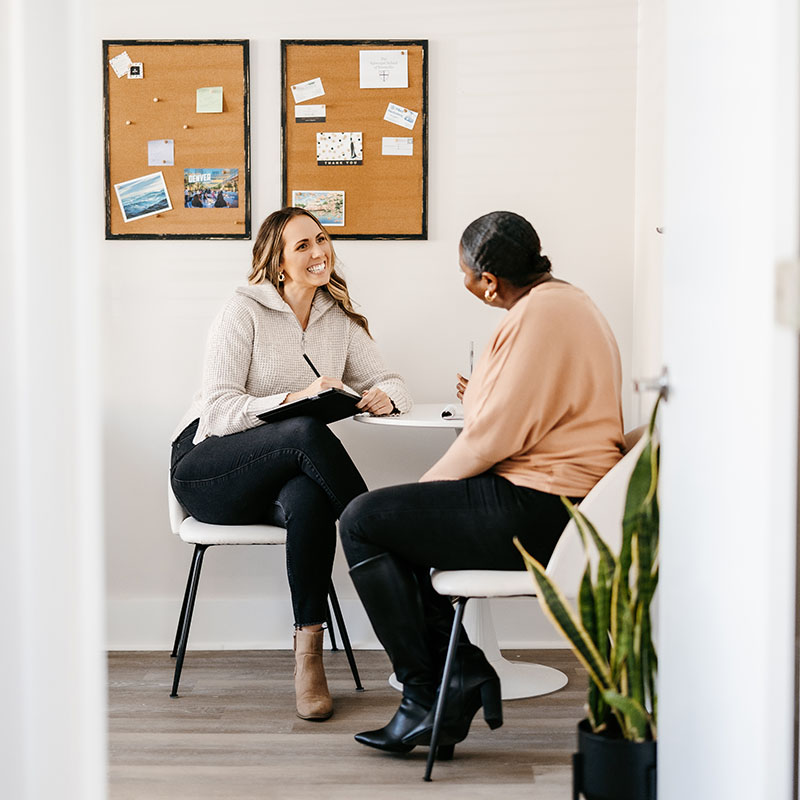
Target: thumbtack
(155, 99)
(127, 122)
(185, 127)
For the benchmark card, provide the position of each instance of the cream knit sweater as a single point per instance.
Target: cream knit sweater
(254, 358)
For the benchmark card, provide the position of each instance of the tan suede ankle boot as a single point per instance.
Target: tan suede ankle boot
(311, 688)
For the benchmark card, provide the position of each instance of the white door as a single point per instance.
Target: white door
(729, 429)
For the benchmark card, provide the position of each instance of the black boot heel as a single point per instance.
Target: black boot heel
(444, 752)
(492, 703)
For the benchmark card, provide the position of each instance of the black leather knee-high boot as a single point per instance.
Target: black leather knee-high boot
(473, 682)
(391, 597)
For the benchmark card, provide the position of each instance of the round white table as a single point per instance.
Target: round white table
(517, 680)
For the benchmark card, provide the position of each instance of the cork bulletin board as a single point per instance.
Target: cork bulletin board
(355, 135)
(177, 139)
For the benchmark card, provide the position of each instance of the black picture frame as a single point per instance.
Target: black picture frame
(246, 233)
(361, 44)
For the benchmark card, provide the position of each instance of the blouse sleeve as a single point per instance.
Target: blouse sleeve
(227, 407)
(512, 403)
(364, 369)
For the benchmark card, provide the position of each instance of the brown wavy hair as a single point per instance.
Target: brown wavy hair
(268, 253)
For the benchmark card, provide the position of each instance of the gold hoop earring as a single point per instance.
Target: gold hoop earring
(281, 277)
(490, 296)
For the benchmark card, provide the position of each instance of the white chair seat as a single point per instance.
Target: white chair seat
(483, 583)
(195, 532)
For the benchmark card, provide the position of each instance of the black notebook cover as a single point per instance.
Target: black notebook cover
(327, 406)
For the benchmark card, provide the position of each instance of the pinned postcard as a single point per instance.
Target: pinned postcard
(120, 63)
(136, 70)
(209, 100)
(142, 197)
(401, 116)
(397, 146)
(309, 113)
(326, 206)
(383, 69)
(339, 149)
(210, 188)
(307, 90)
(161, 153)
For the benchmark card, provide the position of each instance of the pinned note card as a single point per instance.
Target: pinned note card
(340, 149)
(397, 146)
(383, 69)
(307, 90)
(309, 113)
(161, 153)
(209, 100)
(120, 63)
(404, 117)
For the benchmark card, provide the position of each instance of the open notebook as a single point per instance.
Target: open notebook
(329, 405)
(453, 411)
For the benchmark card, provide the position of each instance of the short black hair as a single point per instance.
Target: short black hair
(505, 244)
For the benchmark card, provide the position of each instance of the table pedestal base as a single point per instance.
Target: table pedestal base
(517, 680)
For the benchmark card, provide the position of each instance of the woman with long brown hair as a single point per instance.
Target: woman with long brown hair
(230, 468)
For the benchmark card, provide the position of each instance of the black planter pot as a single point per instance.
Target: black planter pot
(606, 768)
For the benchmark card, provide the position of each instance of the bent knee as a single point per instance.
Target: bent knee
(304, 428)
(352, 515)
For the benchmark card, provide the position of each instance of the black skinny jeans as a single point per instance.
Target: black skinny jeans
(293, 473)
(464, 524)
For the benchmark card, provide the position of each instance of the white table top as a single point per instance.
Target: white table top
(422, 415)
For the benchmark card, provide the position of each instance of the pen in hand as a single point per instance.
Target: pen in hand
(310, 364)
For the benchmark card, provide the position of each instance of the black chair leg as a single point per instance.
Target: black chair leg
(440, 703)
(194, 580)
(331, 632)
(183, 612)
(337, 612)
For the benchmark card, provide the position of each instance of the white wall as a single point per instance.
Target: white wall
(646, 355)
(532, 109)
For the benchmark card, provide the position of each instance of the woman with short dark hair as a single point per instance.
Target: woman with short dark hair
(542, 418)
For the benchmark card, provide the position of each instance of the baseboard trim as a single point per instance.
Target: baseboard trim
(265, 623)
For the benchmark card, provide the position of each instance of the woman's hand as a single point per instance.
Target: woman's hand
(319, 385)
(376, 401)
(461, 385)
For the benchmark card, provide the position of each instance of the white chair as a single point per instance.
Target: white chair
(203, 535)
(604, 506)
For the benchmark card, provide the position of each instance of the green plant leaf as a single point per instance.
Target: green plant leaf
(561, 614)
(623, 635)
(603, 612)
(636, 717)
(635, 662)
(587, 530)
(586, 606)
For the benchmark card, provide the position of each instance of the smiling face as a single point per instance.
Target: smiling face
(306, 257)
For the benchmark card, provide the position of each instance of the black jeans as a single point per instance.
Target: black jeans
(294, 473)
(465, 524)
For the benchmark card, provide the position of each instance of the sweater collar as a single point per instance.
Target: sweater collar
(268, 296)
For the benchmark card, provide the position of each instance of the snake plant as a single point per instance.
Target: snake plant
(611, 631)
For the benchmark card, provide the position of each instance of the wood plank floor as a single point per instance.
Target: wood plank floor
(233, 734)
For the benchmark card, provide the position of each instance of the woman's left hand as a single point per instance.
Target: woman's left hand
(377, 402)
